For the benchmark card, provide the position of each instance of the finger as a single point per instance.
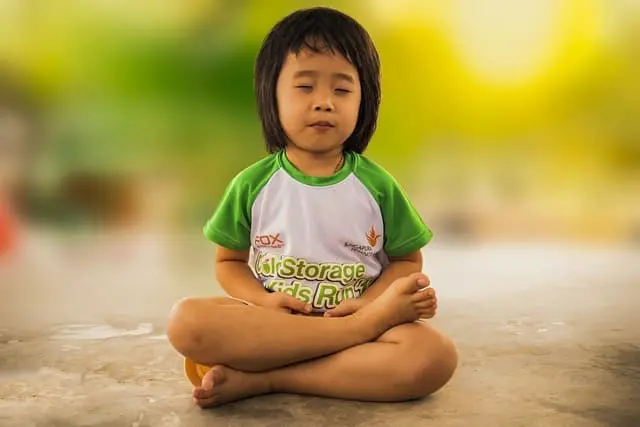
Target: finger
(296, 304)
(334, 312)
(339, 311)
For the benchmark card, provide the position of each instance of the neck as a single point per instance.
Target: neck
(315, 164)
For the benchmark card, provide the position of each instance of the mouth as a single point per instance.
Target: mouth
(322, 125)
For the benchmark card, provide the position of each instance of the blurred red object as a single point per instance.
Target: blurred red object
(8, 230)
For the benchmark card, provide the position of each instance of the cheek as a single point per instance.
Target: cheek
(352, 112)
(288, 121)
(288, 113)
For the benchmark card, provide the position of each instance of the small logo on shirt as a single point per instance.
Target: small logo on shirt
(366, 250)
(372, 237)
(268, 241)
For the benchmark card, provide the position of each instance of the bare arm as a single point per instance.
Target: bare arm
(399, 267)
(235, 276)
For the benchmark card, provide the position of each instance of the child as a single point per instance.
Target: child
(331, 305)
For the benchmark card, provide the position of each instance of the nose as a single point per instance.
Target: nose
(323, 107)
(323, 102)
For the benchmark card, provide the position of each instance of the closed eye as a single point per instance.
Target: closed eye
(343, 91)
(304, 87)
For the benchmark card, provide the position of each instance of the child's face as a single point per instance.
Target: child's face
(318, 100)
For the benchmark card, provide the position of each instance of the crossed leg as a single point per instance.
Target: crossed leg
(365, 356)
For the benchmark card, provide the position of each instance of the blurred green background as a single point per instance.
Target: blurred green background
(504, 120)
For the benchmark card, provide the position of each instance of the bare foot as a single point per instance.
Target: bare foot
(402, 302)
(223, 384)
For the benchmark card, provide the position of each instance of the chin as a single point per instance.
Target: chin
(324, 150)
(319, 148)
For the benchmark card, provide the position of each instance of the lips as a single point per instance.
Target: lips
(321, 124)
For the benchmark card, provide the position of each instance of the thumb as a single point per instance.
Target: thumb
(343, 309)
(296, 304)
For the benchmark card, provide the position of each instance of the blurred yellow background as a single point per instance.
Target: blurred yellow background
(504, 120)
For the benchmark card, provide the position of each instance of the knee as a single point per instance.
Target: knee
(430, 367)
(183, 329)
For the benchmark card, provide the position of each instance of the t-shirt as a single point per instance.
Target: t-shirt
(319, 239)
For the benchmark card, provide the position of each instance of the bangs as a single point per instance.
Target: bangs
(323, 40)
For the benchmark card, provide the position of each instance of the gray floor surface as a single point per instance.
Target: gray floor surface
(549, 335)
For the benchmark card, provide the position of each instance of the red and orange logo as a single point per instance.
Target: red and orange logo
(372, 237)
(268, 241)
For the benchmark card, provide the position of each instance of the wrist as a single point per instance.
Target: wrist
(261, 299)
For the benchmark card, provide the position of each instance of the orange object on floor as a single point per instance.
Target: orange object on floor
(195, 372)
(8, 230)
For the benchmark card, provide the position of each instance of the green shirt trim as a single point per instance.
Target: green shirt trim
(316, 181)
(230, 225)
(404, 230)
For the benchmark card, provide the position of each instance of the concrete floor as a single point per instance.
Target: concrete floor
(548, 335)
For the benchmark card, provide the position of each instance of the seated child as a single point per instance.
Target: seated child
(318, 246)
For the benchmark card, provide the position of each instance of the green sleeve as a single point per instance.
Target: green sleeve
(404, 230)
(230, 224)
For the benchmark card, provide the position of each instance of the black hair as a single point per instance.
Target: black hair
(318, 29)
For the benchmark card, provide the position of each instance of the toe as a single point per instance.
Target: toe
(426, 304)
(421, 279)
(200, 393)
(423, 295)
(204, 396)
(210, 379)
(218, 375)
(205, 403)
(427, 314)
(214, 377)
(207, 383)
(412, 283)
(197, 392)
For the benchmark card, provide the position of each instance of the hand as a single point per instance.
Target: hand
(285, 303)
(346, 307)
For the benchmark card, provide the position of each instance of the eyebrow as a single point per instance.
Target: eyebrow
(310, 73)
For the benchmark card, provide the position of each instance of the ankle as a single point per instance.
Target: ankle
(367, 324)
